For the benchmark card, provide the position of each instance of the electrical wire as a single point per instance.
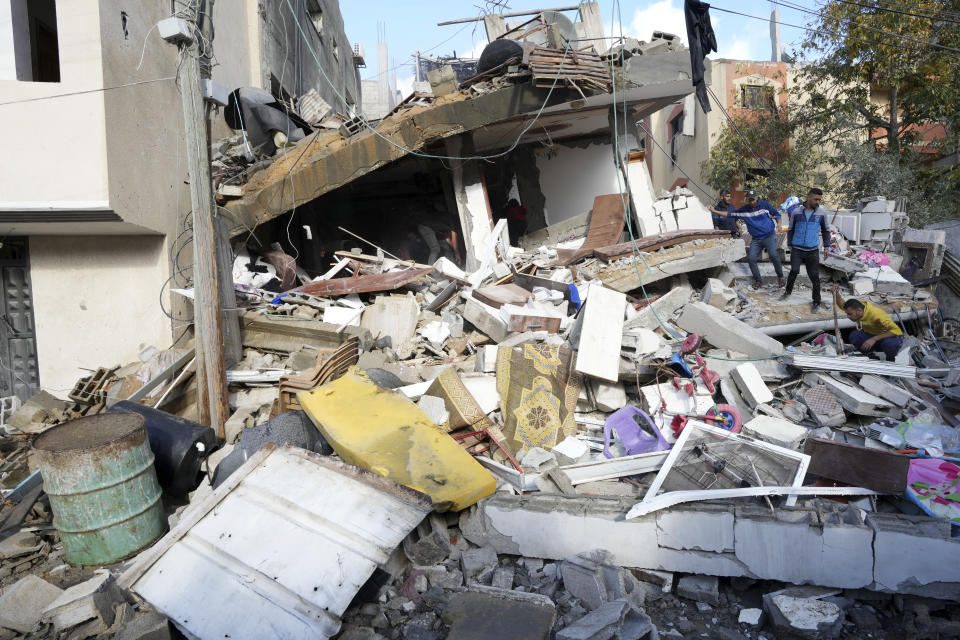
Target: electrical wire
(882, 9)
(86, 91)
(833, 33)
(429, 155)
(863, 26)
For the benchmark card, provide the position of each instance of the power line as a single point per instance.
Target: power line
(430, 155)
(883, 9)
(79, 93)
(863, 26)
(812, 30)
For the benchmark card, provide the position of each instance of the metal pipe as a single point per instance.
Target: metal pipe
(803, 327)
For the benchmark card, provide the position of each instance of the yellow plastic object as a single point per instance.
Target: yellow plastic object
(382, 431)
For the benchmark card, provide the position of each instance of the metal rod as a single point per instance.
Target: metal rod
(514, 14)
(379, 248)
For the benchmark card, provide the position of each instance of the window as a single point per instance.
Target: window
(315, 13)
(676, 128)
(35, 45)
(757, 96)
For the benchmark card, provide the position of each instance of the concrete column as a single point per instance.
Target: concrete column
(592, 25)
(383, 80)
(473, 204)
(775, 54)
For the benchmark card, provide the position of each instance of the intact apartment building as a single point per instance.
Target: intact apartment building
(94, 185)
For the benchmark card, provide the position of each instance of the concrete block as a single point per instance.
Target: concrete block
(435, 408)
(796, 546)
(93, 599)
(726, 332)
(486, 612)
(23, 604)
(663, 579)
(19, 544)
(473, 561)
(752, 617)
(752, 387)
(486, 360)
(619, 619)
(609, 396)
(665, 306)
(503, 578)
(485, 319)
(717, 295)
(803, 617)
(148, 626)
(854, 399)
(704, 529)
(571, 450)
(700, 589)
(915, 555)
(886, 390)
(776, 431)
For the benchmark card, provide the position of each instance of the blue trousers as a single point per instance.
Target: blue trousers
(889, 346)
(757, 246)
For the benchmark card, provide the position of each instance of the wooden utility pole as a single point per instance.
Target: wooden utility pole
(208, 318)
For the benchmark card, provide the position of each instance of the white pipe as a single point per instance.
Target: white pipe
(805, 327)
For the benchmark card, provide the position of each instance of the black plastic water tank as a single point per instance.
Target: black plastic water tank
(173, 441)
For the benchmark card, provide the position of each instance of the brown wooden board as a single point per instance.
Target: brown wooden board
(881, 471)
(657, 241)
(364, 284)
(521, 323)
(498, 295)
(606, 225)
(528, 282)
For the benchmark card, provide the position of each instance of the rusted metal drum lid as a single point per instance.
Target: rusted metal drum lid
(91, 432)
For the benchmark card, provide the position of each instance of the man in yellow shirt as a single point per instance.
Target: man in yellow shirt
(876, 330)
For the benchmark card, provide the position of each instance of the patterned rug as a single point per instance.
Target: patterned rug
(538, 395)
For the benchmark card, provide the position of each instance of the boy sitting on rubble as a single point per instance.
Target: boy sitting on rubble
(876, 330)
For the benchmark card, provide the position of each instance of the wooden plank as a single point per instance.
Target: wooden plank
(877, 469)
(364, 284)
(657, 241)
(528, 282)
(606, 225)
(498, 295)
(601, 333)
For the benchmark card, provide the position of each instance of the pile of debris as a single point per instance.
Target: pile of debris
(591, 439)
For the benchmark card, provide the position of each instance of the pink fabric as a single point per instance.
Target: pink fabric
(874, 257)
(935, 486)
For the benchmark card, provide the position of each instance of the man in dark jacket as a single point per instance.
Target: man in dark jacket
(718, 213)
(808, 223)
(758, 216)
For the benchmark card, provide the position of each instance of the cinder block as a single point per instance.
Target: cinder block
(752, 387)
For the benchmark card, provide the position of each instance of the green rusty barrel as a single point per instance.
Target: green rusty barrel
(98, 472)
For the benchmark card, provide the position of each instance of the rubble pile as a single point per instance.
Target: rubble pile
(585, 439)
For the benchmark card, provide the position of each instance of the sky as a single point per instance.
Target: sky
(415, 29)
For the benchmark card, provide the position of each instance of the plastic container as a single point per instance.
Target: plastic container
(174, 442)
(635, 436)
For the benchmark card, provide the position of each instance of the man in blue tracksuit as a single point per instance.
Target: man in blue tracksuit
(759, 216)
(808, 223)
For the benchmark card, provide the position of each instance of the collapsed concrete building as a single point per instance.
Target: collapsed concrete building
(594, 428)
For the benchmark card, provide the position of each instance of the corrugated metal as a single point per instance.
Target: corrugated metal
(854, 364)
(279, 550)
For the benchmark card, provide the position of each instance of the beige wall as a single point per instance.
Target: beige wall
(96, 302)
(56, 148)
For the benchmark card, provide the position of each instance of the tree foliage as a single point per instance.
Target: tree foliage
(877, 78)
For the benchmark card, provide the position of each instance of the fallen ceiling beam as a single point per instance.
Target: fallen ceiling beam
(851, 363)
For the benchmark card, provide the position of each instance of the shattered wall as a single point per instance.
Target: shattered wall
(571, 176)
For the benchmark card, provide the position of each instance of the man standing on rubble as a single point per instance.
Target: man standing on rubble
(759, 216)
(719, 213)
(808, 223)
(876, 330)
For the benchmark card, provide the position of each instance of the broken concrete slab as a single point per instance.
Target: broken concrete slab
(886, 390)
(609, 396)
(724, 331)
(485, 319)
(664, 307)
(18, 544)
(22, 604)
(601, 333)
(394, 316)
(627, 274)
(853, 399)
(803, 617)
(915, 555)
(474, 561)
(776, 431)
(752, 387)
(485, 612)
(700, 589)
(752, 617)
(92, 599)
(618, 619)
(717, 295)
(594, 580)
(146, 626)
